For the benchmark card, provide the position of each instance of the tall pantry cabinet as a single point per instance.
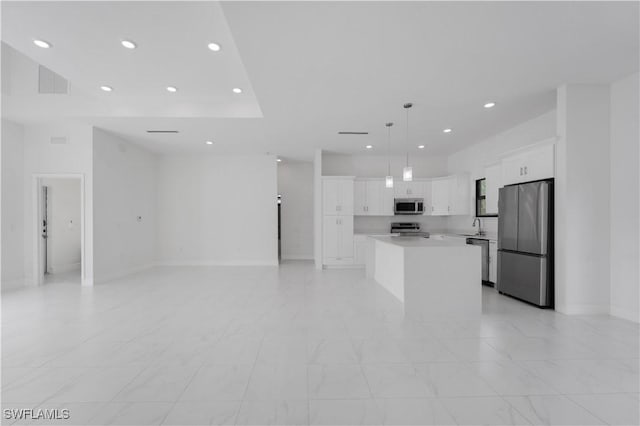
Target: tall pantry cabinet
(337, 223)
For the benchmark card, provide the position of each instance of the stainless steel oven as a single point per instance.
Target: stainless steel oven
(408, 206)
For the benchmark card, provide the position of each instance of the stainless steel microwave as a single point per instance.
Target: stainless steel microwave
(408, 206)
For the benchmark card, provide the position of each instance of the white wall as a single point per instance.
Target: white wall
(377, 165)
(295, 185)
(63, 224)
(582, 186)
(474, 159)
(124, 188)
(42, 158)
(625, 214)
(217, 210)
(12, 201)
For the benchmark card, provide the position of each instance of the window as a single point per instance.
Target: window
(481, 199)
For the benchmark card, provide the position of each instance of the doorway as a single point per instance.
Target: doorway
(59, 248)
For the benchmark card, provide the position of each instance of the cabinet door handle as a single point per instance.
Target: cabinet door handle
(525, 170)
(431, 208)
(520, 171)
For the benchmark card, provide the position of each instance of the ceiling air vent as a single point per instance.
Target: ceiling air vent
(58, 140)
(353, 133)
(162, 131)
(50, 83)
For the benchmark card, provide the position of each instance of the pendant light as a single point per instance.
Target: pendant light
(388, 181)
(407, 171)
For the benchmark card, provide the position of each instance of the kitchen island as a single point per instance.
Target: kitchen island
(431, 277)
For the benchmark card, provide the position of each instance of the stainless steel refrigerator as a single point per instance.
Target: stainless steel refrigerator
(525, 242)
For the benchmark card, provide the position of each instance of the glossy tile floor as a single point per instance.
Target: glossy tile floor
(292, 345)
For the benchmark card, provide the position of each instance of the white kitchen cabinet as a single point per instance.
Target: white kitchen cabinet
(450, 195)
(426, 192)
(337, 240)
(440, 196)
(492, 175)
(360, 197)
(359, 249)
(459, 195)
(413, 189)
(493, 261)
(387, 197)
(531, 164)
(337, 195)
(371, 198)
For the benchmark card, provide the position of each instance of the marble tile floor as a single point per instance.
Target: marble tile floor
(293, 345)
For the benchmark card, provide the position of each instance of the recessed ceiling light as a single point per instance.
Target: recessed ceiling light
(489, 104)
(369, 146)
(209, 142)
(446, 131)
(41, 43)
(172, 89)
(106, 88)
(420, 146)
(237, 90)
(279, 160)
(214, 46)
(129, 44)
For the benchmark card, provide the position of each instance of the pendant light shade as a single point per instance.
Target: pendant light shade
(407, 171)
(388, 181)
(407, 174)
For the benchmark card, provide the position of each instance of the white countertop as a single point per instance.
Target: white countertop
(457, 235)
(412, 242)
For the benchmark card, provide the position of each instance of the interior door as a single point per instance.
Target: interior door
(508, 218)
(533, 217)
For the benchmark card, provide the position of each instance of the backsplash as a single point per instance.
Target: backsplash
(382, 224)
(464, 224)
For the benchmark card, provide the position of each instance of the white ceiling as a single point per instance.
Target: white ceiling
(312, 69)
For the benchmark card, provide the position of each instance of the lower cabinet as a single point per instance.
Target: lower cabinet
(337, 241)
(493, 261)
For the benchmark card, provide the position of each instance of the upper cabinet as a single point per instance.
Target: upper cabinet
(459, 194)
(337, 195)
(440, 197)
(493, 176)
(372, 198)
(450, 195)
(532, 164)
(413, 189)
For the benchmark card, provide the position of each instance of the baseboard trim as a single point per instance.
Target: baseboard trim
(352, 266)
(57, 269)
(117, 275)
(624, 313)
(297, 257)
(583, 309)
(14, 284)
(217, 263)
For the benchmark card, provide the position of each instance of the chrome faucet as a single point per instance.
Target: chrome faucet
(480, 231)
